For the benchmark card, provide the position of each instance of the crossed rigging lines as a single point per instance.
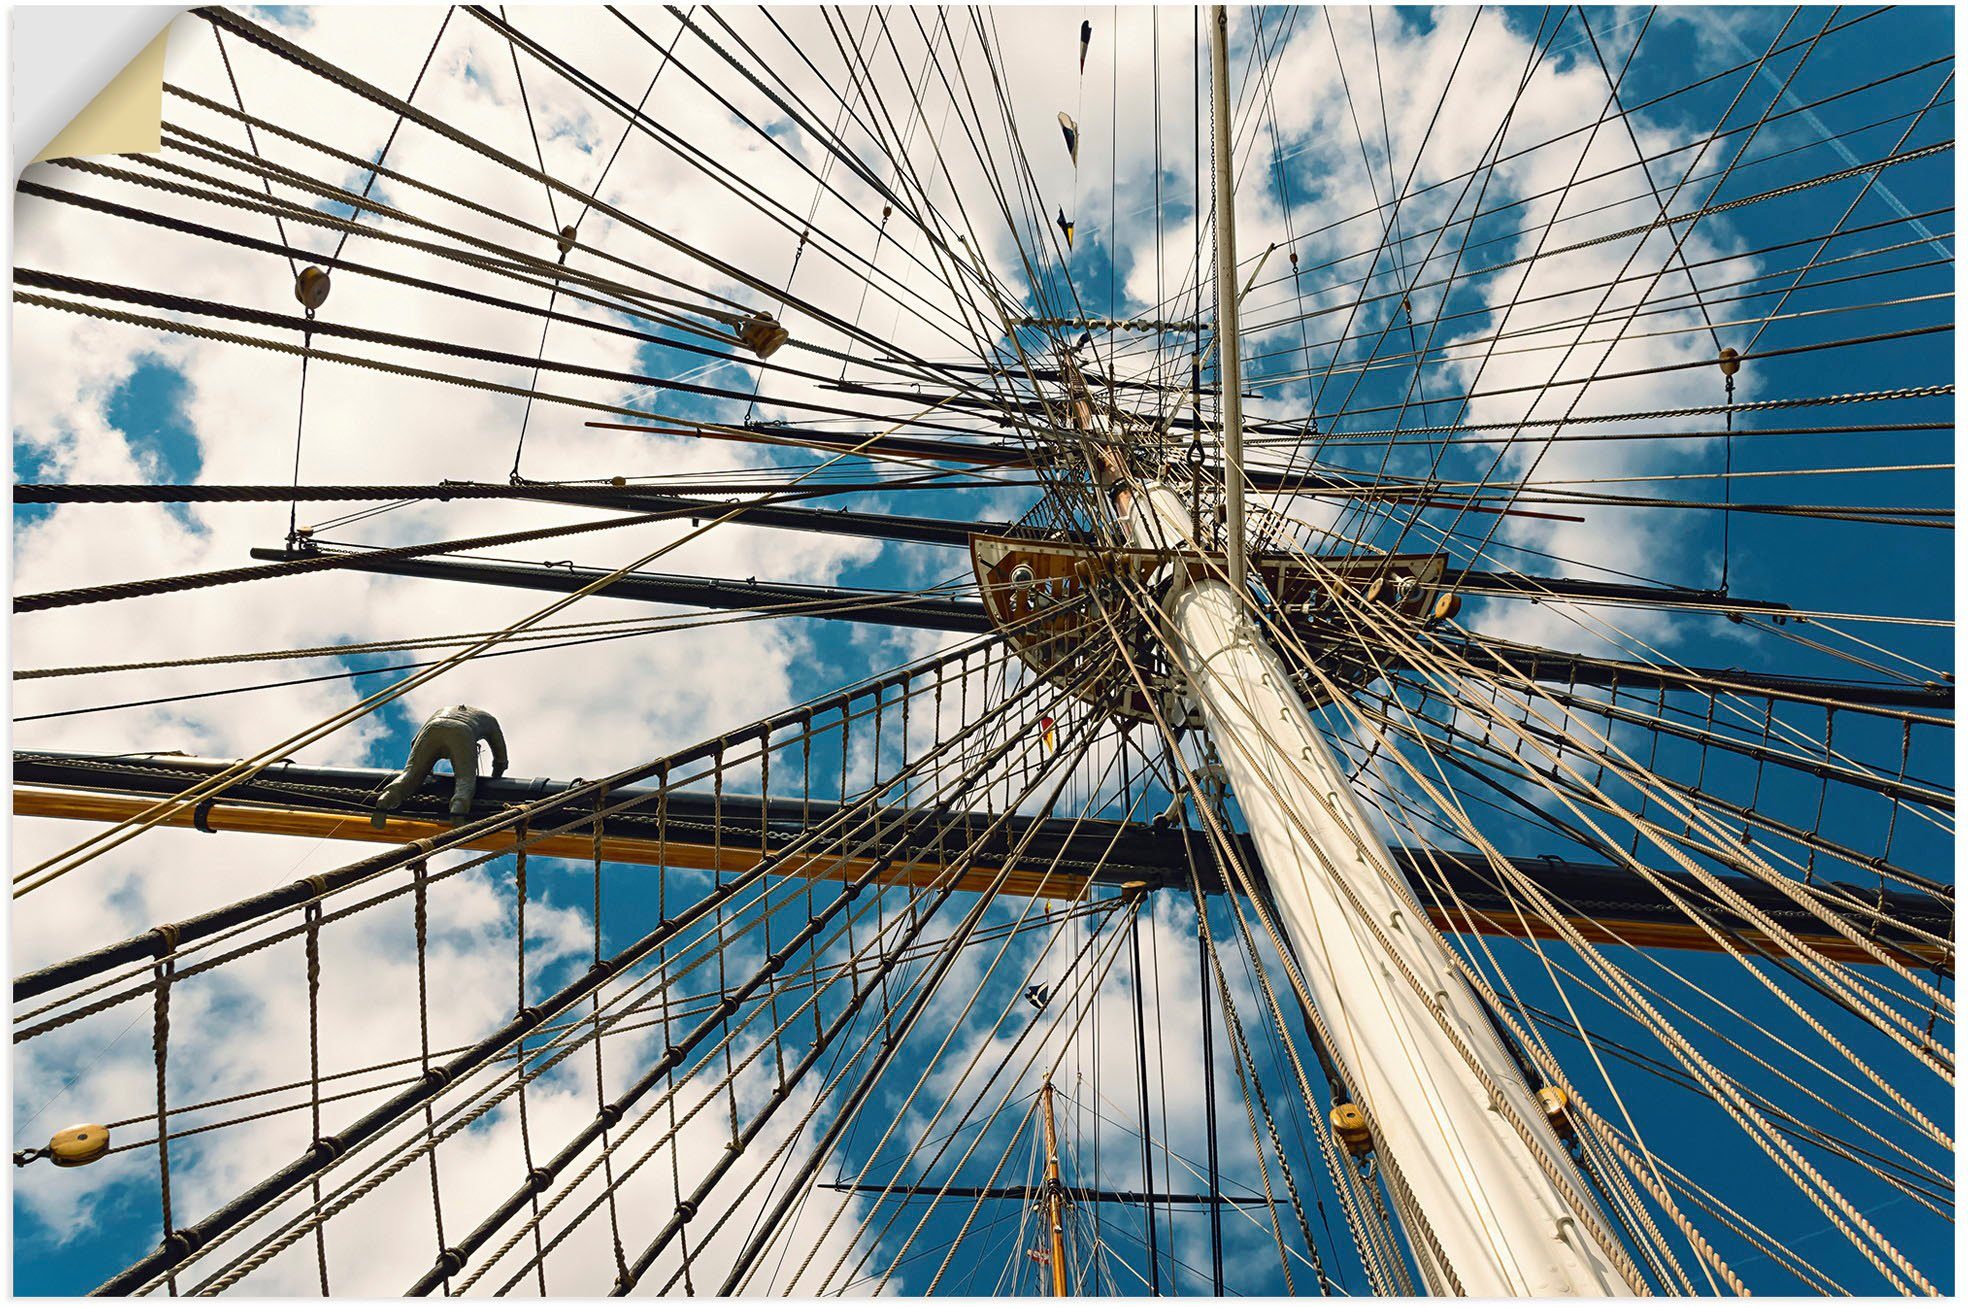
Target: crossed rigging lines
(1031, 397)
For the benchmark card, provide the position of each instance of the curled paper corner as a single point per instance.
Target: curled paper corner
(123, 117)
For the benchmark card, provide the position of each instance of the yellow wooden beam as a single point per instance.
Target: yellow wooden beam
(730, 856)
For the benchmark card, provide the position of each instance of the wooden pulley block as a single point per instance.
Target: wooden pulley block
(1555, 1101)
(763, 335)
(311, 288)
(78, 1145)
(1350, 1124)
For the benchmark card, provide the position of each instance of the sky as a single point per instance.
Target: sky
(1332, 117)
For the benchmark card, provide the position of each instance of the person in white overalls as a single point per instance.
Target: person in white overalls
(450, 733)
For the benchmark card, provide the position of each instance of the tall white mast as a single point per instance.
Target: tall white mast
(1498, 1209)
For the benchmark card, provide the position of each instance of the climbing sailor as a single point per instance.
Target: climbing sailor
(451, 733)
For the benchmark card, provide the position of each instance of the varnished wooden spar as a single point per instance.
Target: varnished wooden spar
(1607, 904)
(732, 856)
(1055, 1198)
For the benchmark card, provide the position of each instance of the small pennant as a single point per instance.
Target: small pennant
(1051, 739)
(1071, 130)
(1065, 226)
(1086, 39)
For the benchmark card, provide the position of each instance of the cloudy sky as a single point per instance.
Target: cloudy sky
(1482, 121)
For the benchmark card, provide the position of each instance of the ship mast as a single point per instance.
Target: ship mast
(1229, 348)
(1493, 1204)
(1054, 1202)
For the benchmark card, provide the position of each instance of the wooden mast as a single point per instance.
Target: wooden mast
(1055, 1195)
